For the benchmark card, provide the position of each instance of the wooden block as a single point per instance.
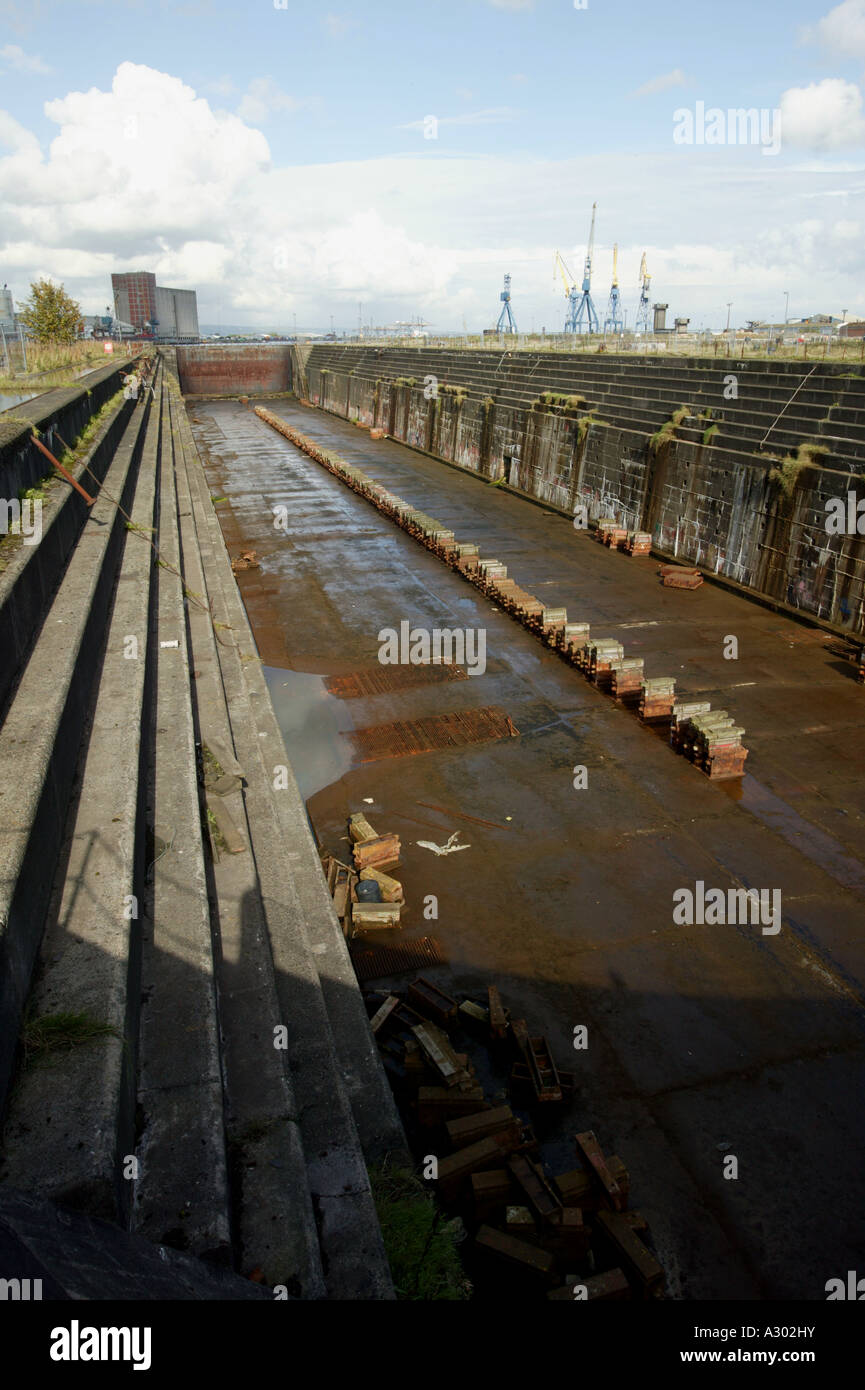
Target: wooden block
(437, 1048)
(515, 1252)
(491, 1189)
(589, 1148)
(530, 1177)
(519, 1221)
(431, 1001)
(391, 888)
(456, 1168)
(374, 916)
(360, 829)
(578, 1189)
(479, 1126)
(436, 1104)
(611, 1286)
(498, 1021)
(473, 1016)
(381, 853)
(632, 1250)
(383, 1013)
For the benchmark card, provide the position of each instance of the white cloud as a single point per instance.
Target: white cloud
(262, 97)
(11, 56)
(842, 30)
(147, 175)
(512, 4)
(339, 25)
(676, 78)
(824, 115)
(490, 115)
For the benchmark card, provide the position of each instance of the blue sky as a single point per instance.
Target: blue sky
(297, 179)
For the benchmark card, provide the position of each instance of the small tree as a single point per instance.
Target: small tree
(50, 315)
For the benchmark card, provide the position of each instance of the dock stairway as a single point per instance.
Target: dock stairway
(183, 1047)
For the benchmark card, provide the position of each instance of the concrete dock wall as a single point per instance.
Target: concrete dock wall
(232, 370)
(723, 508)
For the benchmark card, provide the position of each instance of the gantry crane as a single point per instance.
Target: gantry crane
(570, 292)
(614, 320)
(586, 309)
(507, 323)
(642, 324)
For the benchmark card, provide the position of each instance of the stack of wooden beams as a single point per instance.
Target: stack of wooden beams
(572, 636)
(627, 680)
(373, 856)
(553, 622)
(605, 524)
(638, 543)
(681, 713)
(657, 697)
(616, 537)
(604, 652)
(550, 1231)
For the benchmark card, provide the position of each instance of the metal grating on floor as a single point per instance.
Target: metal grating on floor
(384, 678)
(374, 962)
(402, 738)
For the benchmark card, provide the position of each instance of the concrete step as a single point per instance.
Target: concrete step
(40, 737)
(273, 1211)
(32, 573)
(181, 1195)
(90, 955)
(347, 1112)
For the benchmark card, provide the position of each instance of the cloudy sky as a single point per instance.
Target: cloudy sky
(286, 159)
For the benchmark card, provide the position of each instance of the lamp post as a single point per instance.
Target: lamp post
(786, 306)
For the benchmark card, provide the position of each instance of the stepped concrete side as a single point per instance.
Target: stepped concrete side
(71, 1119)
(40, 738)
(58, 414)
(181, 1195)
(32, 572)
(347, 1112)
(718, 508)
(274, 1215)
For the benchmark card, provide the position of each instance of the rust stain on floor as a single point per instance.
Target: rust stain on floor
(380, 679)
(405, 737)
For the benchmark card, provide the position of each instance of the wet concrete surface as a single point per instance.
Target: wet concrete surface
(704, 1041)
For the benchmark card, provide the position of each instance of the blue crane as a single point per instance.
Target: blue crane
(507, 323)
(642, 324)
(614, 320)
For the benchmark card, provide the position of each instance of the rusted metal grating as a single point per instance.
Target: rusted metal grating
(380, 679)
(373, 962)
(403, 738)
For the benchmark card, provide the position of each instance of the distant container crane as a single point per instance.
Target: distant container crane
(582, 315)
(642, 324)
(614, 322)
(571, 293)
(507, 323)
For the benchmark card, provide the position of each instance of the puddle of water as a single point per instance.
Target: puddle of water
(312, 724)
(7, 402)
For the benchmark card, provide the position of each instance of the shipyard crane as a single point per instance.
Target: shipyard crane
(507, 323)
(586, 309)
(642, 324)
(570, 292)
(614, 320)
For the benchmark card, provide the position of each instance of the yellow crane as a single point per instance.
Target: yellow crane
(570, 288)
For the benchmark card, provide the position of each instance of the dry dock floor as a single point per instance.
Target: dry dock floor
(704, 1041)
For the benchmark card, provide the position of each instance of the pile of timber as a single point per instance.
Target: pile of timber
(680, 577)
(627, 680)
(657, 697)
(638, 543)
(549, 1231)
(551, 624)
(708, 738)
(377, 904)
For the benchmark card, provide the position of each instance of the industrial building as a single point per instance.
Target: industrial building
(155, 310)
